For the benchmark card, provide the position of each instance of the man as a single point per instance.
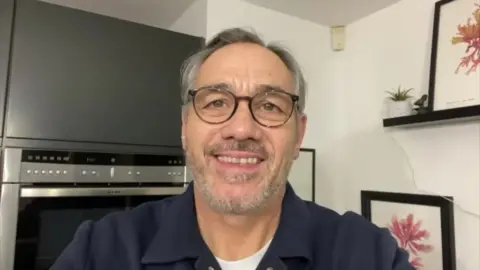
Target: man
(243, 125)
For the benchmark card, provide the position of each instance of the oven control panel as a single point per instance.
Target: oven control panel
(81, 167)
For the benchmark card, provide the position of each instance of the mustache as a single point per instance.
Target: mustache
(251, 146)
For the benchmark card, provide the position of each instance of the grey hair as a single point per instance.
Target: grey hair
(191, 66)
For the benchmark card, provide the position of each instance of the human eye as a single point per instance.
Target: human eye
(213, 100)
(270, 107)
(217, 103)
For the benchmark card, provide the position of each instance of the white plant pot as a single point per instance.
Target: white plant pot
(399, 108)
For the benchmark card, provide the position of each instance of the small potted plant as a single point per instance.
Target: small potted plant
(399, 102)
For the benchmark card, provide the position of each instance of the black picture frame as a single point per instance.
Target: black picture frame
(446, 217)
(311, 150)
(434, 57)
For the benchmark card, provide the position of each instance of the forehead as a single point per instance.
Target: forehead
(245, 66)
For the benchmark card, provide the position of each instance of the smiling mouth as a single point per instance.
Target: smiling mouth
(239, 160)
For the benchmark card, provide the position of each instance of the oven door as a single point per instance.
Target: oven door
(37, 223)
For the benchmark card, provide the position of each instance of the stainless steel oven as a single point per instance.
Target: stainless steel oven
(45, 195)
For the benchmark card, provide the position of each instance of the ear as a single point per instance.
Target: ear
(301, 129)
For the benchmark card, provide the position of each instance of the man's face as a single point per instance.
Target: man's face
(238, 165)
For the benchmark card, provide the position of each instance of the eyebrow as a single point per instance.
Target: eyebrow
(268, 87)
(261, 88)
(222, 86)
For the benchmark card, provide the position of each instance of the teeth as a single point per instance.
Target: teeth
(233, 160)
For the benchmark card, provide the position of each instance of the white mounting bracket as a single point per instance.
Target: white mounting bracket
(338, 37)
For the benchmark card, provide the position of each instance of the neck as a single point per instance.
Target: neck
(234, 237)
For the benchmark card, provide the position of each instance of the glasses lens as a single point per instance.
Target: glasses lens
(213, 105)
(272, 108)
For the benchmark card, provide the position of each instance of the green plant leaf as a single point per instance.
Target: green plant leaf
(399, 94)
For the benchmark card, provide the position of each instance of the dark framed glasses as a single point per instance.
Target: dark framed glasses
(270, 108)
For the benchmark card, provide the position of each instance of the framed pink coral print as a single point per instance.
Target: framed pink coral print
(421, 224)
(455, 56)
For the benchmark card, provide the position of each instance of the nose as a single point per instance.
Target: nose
(241, 126)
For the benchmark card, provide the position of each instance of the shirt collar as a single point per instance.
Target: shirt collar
(178, 237)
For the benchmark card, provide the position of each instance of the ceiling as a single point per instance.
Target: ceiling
(158, 13)
(163, 13)
(326, 12)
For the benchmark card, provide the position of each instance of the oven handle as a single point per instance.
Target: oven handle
(99, 191)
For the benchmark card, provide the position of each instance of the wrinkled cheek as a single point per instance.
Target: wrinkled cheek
(280, 166)
(189, 153)
(196, 158)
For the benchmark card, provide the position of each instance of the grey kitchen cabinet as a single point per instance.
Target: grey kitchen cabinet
(6, 19)
(76, 76)
(302, 174)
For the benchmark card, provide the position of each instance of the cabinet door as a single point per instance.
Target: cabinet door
(79, 76)
(302, 175)
(6, 18)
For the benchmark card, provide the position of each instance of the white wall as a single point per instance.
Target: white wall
(389, 48)
(193, 20)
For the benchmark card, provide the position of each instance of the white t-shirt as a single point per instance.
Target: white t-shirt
(249, 263)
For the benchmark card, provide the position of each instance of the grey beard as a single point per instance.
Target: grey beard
(241, 206)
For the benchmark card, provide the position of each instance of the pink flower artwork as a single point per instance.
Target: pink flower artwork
(469, 35)
(411, 237)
